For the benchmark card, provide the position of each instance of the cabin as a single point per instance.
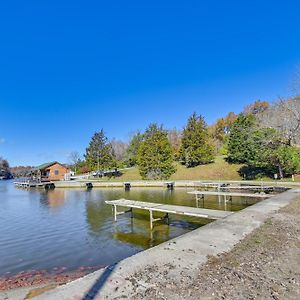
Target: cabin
(52, 171)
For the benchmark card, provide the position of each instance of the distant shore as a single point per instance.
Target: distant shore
(159, 183)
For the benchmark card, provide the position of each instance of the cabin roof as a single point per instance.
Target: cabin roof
(47, 165)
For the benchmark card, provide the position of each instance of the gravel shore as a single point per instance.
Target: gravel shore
(265, 265)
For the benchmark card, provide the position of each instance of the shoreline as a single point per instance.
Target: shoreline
(160, 183)
(173, 260)
(163, 183)
(33, 278)
(134, 274)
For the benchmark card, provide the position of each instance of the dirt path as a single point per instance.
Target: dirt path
(265, 265)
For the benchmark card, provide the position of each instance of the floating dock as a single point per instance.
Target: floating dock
(166, 208)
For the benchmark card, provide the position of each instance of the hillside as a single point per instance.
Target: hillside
(219, 169)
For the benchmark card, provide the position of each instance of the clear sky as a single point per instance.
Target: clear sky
(70, 68)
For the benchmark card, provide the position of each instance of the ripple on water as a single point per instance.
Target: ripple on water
(72, 228)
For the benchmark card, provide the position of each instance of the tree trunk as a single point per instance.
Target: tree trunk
(280, 171)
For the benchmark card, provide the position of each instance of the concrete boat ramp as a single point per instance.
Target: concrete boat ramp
(166, 208)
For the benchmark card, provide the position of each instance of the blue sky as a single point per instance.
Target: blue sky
(70, 68)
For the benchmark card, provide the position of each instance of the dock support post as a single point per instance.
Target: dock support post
(131, 213)
(167, 217)
(127, 186)
(115, 213)
(151, 219)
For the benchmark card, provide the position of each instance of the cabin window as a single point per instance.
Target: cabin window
(56, 172)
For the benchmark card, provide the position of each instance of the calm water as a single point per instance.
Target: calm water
(73, 227)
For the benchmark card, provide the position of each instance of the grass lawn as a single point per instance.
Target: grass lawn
(219, 169)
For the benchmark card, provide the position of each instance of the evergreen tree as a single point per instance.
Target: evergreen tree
(155, 157)
(196, 145)
(263, 149)
(239, 139)
(99, 154)
(4, 168)
(269, 151)
(133, 149)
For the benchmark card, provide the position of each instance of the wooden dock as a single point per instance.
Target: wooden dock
(230, 194)
(228, 186)
(34, 184)
(166, 208)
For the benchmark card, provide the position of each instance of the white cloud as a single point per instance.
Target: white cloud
(2, 141)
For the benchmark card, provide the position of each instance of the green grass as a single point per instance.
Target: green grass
(218, 170)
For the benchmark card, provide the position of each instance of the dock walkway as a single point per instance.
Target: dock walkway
(166, 208)
(230, 194)
(228, 186)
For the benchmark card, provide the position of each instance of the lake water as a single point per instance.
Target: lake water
(72, 228)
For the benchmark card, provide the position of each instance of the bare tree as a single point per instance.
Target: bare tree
(174, 137)
(74, 158)
(284, 116)
(119, 148)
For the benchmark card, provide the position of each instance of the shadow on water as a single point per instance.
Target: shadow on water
(98, 285)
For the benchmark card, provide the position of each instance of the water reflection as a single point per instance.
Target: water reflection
(74, 227)
(96, 214)
(53, 198)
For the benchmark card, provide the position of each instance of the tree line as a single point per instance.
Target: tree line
(5, 171)
(264, 138)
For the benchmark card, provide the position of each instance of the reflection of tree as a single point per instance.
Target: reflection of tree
(136, 239)
(96, 214)
(140, 234)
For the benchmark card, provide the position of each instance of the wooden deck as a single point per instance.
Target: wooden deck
(33, 184)
(230, 194)
(166, 208)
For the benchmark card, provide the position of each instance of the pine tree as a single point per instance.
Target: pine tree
(155, 156)
(133, 149)
(269, 152)
(99, 154)
(239, 141)
(196, 145)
